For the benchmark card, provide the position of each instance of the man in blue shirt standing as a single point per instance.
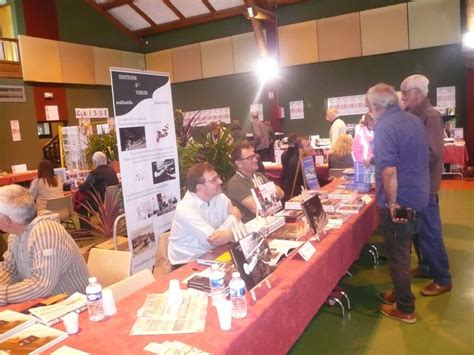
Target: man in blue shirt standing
(402, 181)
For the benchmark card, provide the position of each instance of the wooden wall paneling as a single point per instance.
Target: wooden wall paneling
(40, 59)
(132, 60)
(187, 63)
(384, 30)
(104, 58)
(339, 37)
(434, 23)
(217, 58)
(298, 43)
(245, 52)
(77, 63)
(160, 61)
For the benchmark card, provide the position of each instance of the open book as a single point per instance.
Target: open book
(12, 322)
(282, 248)
(32, 340)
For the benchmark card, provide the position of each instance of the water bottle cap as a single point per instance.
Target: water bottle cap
(235, 274)
(92, 280)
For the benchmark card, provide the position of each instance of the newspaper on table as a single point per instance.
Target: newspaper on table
(173, 347)
(52, 314)
(159, 315)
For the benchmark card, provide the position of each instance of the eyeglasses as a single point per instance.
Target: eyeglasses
(251, 157)
(214, 179)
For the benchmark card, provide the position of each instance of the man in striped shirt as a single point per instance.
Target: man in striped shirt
(42, 259)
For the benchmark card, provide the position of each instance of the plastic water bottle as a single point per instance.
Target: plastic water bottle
(94, 300)
(237, 296)
(216, 281)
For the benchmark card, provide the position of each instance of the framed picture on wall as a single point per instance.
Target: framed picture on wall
(44, 130)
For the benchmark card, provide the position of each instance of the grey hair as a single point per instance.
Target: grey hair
(416, 81)
(99, 158)
(381, 96)
(17, 204)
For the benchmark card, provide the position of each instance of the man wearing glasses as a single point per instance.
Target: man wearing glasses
(203, 217)
(240, 185)
(428, 242)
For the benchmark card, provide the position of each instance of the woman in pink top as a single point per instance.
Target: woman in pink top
(47, 185)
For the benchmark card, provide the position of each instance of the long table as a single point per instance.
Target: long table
(15, 178)
(274, 322)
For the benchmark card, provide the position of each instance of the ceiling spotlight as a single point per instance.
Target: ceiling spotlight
(267, 69)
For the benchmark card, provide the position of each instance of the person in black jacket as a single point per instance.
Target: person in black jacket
(96, 183)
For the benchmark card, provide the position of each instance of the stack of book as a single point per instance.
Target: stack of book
(342, 194)
(337, 219)
(264, 225)
(294, 203)
(330, 206)
(351, 207)
(290, 231)
(291, 216)
(19, 334)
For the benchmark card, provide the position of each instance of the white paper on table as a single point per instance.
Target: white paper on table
(67, 350)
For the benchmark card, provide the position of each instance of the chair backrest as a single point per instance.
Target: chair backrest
(109, 266)
(336, 172)
(162, 263)
(61, 206)
(111, 191)
(131, 284)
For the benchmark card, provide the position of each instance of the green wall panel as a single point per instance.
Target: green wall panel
(314, 83)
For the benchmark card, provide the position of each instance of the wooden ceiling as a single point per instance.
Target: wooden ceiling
(142, 18)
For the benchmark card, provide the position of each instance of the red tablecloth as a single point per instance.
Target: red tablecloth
(274, 322)
(14, 178)
(455, 154)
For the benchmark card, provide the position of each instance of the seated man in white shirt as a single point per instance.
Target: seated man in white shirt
(203, 217)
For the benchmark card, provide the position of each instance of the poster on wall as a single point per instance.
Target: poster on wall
(296, 110)
(257, 108)
(446, 100)
(15, 128)
(148, 155)
(51, 112)
(348, 105)
(205, 117)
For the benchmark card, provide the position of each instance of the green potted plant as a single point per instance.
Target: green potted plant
(106, 143)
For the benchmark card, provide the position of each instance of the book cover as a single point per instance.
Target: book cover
(12, 322)
(289, 231)
(266, 199)
(253, 259)
(330, 205)
(342, 194)
(291, 215)
(315, 214)
(309, 173)
(32, 340)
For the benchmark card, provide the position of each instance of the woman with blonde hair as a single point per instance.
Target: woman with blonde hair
(340, 156)
(47, 185)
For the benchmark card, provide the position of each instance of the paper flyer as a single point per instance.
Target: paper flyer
(296, 110)
(148, 156)
(15, 128)
(208, 116)
(349, 105)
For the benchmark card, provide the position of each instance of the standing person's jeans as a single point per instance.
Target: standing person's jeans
(431, 244)
(397, 246)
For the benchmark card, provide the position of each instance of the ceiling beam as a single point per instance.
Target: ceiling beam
(191, 21)
(115, 3)
(116, 22)
(174, 9)
(208, 5)
(143, 14)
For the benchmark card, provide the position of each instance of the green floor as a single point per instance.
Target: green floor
(445, 323)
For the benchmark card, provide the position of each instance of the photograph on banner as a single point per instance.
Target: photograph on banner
(206, 117)
(348, 105)
(148, 156)
(296, 110)
(132, 138)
